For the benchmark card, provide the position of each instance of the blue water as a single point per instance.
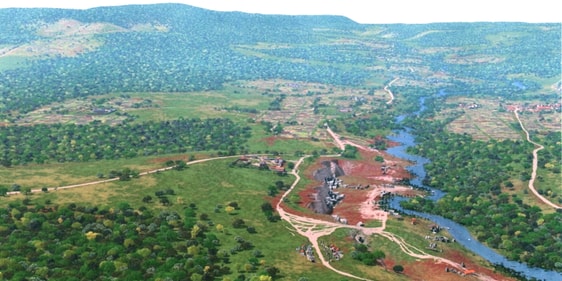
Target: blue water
(457, 231)
(519, 85)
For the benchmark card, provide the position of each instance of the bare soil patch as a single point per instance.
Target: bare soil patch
(358, 205)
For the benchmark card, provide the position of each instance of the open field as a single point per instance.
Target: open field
(36, 176)
(484, 122)
(542, 122)
(7, 63)
(489, 119)
(69, 38)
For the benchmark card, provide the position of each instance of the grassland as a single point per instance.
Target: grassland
(485, 122)
(490, 119)
(12, 62)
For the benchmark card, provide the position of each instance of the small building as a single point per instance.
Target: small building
(102, 111)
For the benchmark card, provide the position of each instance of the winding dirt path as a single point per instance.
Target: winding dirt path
(386, 88)
(538, 147)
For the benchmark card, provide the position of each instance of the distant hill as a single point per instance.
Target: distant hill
(16, 23)
(51, 55)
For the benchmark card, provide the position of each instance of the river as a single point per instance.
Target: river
(457, 231)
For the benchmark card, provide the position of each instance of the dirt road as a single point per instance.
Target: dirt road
(386, 88)
(336, 138)
(116, 179)
(538, 147)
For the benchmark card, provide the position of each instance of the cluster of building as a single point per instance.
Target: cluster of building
(436, 238)
(275, 164)
(339, 219)
(103, 110)
(334, 183)
(469, 105)
(333, 199)
(535, 107)
(462, 272)
(307, 251)
(333, 252)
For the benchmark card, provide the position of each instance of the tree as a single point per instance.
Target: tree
(238, 223)
(196, 277)
(272, 271)
(195, 231)
(125, 175)
(279, 184)
(278, 129)
(290, 165)
(193, 250)
(219, 227)
(349, 152)
(266, 207)
(164, 201)
(251, 229)
(398, 268)
(265, 278)
(180, 165)
(107, 267)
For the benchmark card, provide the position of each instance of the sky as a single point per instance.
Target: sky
(361, 11)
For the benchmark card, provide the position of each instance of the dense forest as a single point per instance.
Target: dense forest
(70, 142)
(75, 242)
(474, 173)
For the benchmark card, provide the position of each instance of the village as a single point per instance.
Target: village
(262, 162)
(548, 107)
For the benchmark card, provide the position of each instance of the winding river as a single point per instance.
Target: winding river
(459, 232)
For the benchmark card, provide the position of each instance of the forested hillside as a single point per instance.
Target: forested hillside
(197, 49)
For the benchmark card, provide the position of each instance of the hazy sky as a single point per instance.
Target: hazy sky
(362, 11)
